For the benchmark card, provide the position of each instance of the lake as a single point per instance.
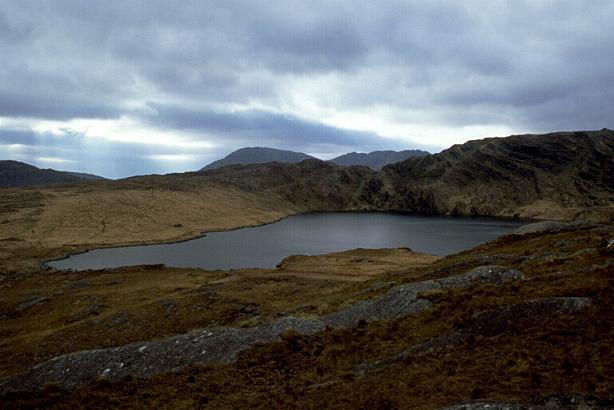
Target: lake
(306, 234)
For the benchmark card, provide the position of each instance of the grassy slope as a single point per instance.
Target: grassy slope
(561, 176)
(562, 355)
(60, 312)
(138, 303)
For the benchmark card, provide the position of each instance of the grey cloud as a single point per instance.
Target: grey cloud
(532, 66)
(20, 137)
(267, 128)
(14, 104)
(111, 159)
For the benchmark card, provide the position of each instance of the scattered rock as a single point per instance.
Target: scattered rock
(399, 301)
(403, 300)
(573, 402)
(488, 323)
(489, 405)
(145, 359)
(168, 305)
(92, 310)
(223, 344)
(35, 300)
(480, 275)
(80, 284)
(549, 226)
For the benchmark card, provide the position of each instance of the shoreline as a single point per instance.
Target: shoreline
(45, 267)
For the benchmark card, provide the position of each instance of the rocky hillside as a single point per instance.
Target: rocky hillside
(563, 175)
(20, 174)
(257, 155)
(550, 176)
(311, 185)
(376, 159)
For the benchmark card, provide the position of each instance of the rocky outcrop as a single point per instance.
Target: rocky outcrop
(570, 402)
(488, 323)
(403, 300)
(223, 344)
(523, 175)
(549, 227)
(376, 159)
(563, 176)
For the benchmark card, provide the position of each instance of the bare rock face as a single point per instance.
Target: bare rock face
(488, 323)
(376, 159)
(564, 175)
(403, 300)
(573, 402)
(223, 344)
(481, 274)
(489, 405)
(500, 176)
(549, 226)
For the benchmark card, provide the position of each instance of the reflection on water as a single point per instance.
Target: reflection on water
(308, 234)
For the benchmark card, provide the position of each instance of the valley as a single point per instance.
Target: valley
(367, 327)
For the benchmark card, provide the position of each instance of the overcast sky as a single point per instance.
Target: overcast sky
(122, 87)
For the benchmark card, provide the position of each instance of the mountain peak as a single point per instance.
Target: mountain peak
(258, 155)
(376, 159)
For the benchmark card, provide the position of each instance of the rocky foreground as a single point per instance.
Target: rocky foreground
(522, 322)
(525, 321)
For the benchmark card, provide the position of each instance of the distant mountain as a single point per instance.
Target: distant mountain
(377, 159)
(563, 175)
(258, 155)
(83, 175)
(20, 174)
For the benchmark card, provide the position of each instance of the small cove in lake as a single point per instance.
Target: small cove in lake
(305, 234)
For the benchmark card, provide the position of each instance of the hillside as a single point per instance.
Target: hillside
(524, 320)
(20, 174)
(376, 159)
(553, 175)
(556, 176)
(257, 155)
(83, 175)
(564, 175)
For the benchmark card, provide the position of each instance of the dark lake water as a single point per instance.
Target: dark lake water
(308, 234)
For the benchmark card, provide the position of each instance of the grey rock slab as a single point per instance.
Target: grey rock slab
(549, 403)
(36, 300)
(487, 323)
(481, 275)
(144, 359)
(399, 301)
(223, 344)
(491, 405)
(549, 226)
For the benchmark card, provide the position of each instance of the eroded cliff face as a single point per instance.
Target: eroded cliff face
(565, 176)
(558, 175)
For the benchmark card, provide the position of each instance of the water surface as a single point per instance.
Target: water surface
(307, 234)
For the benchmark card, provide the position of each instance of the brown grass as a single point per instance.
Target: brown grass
(43, 223)
(94, 309)
(563, 355)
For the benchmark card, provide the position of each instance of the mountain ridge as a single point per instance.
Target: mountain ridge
(376, 159)
(257, 155)
(15, 174)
